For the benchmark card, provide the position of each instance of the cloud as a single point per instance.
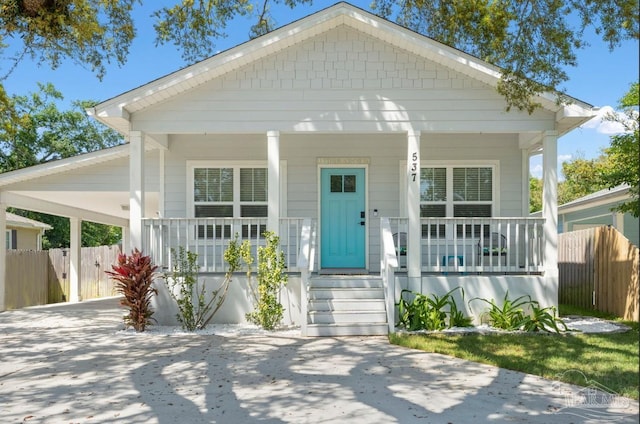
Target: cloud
(602, 126)
(535, 166)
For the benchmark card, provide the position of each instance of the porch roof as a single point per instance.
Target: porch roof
(116, 112)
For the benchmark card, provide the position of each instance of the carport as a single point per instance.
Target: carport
(89, 187)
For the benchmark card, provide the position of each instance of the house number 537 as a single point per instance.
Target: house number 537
(414, 166)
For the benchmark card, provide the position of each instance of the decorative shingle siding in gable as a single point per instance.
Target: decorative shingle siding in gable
(339, 80)
(344, 59)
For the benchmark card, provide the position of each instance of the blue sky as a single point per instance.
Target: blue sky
(601, 77)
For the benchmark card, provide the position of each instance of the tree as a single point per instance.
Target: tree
(533, 41)
(535, 194)
(624, 152)
(43, 133)
(581, 177)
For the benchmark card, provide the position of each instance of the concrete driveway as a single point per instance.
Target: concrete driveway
(72, 364)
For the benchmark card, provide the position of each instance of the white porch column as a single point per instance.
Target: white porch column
(525, 182)
(3, 256)
(273, 178)
(126, 240)
(75, 225)
(414, 232)
(136, 188)
(550, 208)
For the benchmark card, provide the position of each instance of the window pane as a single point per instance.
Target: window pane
(471, 184)
(433, 184)
(213, 185)
(459, 184)
(253, 185)
(472, 211)
(214, 211)
(336, 184)
(349, 183)
(433, 211)
(485, 182)
(226, 185)
(253, 211)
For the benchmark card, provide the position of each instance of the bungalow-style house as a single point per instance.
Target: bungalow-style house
(383, 159)
(23, 233)
(596, 210)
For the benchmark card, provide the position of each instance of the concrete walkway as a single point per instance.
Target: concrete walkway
(71, 364)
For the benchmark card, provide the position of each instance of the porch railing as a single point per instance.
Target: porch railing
(210, 237)
(483, 245)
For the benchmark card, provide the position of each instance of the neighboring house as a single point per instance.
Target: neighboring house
(596, 210)
(351, 137)
(24, 233)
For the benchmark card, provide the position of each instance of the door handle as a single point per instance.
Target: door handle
(362, 214)
(362, 223)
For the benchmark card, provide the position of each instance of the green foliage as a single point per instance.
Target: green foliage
(196, 307)
(271, 277)
(430, 313)
(535, 194)
(624, 152)
(134, 275)
(581, 178)
(522, 314)
(44, 133)
(90, 32)
(533, 42)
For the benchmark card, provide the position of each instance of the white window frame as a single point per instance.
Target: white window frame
(449, 165)
(236, 166)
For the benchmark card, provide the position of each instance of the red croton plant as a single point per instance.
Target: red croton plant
(134, 276)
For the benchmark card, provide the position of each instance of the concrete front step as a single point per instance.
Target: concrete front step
(345, 293)
(329, 330)
(345, 282)
(346, 305)
(346, 317)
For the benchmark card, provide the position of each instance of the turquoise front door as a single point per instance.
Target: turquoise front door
(343, 219)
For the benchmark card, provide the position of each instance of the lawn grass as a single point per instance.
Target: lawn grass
(611, 359)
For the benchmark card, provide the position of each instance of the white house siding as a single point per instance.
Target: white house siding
(341, 80)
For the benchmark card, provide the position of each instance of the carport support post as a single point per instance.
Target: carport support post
(75, 225)
(414, 272)
(3, 256)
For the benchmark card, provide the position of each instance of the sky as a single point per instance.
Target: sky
(600, 79)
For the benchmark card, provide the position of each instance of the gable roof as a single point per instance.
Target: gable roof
(18, 221)
(605, 196)
(116, 111)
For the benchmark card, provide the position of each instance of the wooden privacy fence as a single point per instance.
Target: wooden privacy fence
(599, 269)
(41, 277)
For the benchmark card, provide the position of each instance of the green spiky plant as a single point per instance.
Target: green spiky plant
(513, 315)
(133, 275)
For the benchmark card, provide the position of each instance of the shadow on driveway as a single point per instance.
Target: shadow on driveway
(72, 363)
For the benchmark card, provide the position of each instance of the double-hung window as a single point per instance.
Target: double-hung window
(230, 192)
(458, 191)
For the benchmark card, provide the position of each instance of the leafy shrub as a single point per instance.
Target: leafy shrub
(430, 313)
(196, 307)
(271, 277)
(511, 316)
(134, 276)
